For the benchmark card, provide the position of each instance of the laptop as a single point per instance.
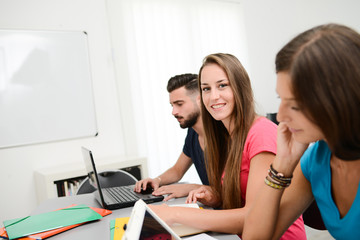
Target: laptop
(114, 197)
(145, 224)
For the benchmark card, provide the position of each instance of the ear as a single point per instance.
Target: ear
(198, 100)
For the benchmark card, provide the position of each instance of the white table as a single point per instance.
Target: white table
(98, 229)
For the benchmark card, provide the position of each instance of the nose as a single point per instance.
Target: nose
(281, 116)
(174, 111)
(214, 94)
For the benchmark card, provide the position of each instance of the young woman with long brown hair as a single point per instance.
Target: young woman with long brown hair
(239, 147)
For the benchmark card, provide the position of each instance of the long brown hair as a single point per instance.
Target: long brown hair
(324, 65)
(224, 152)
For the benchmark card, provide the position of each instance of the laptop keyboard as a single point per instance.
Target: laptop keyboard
(122, 194)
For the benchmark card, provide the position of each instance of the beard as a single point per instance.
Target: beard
(192, 119)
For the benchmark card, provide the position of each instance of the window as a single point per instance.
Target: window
(155, 40)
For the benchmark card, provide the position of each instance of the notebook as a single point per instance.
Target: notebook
(114, 197)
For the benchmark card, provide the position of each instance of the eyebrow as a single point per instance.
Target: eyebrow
(177, 101)
(218, 81)
(286, 99)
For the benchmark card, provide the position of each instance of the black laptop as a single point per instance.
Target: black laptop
(114, 197)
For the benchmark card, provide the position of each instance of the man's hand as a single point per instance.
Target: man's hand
(143, 184)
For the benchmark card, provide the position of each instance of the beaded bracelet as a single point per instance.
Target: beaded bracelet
(279, 175)
(274, 181)
(277, 180)
(273, 185)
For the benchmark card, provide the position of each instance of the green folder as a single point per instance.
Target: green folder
(112, 229)
(21, 227)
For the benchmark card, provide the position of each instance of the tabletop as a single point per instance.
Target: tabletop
(99, 229)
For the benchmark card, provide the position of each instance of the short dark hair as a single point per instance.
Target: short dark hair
(187, 80)
(323, 63)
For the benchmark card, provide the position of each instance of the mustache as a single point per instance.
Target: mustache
(178, 117)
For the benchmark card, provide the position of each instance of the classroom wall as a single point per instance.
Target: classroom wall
(269, 25)
(18, 164)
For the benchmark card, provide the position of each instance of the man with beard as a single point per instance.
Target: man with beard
(184, 99)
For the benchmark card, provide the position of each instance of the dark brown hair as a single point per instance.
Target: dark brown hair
(324, 65)
(188, 80)
(224, 152)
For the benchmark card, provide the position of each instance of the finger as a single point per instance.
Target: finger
(192, 198)
(189, 198)
(157, 193)
(168, 197)
(144, 184)
(137, 186)
(155, 186)
(159, 190)
(199, 196)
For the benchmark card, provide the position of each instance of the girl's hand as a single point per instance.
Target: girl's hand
(289, 151)
(205, 195)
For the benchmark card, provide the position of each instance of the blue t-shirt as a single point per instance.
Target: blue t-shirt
(193, 150)
(315, 165)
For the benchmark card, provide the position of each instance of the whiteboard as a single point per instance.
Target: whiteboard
(45, 87)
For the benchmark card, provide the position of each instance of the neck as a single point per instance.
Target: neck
(198, 127)
(337, 163)
(229, 125)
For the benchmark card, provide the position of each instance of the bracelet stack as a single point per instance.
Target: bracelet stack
(277, 180)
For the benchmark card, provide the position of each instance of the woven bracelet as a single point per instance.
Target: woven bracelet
(272, 184)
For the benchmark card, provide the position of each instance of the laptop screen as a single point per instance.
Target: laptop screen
(89, 167)
(92, 174)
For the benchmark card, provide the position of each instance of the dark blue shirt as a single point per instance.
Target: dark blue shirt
(193, 150)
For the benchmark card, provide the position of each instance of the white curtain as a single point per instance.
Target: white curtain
(160, 39)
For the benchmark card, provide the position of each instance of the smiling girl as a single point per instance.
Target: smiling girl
(240, 145)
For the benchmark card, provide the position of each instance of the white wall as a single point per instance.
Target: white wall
(269, 25)
(18, 164)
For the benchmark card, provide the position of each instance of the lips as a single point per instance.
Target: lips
(217, 106)
(293, 130)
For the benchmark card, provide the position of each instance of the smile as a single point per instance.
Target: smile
(218, 106)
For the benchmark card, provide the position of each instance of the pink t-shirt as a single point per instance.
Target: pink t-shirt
(262, 138)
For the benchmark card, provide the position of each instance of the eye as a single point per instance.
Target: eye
(295, 108)
(205, 89)
(222, 85)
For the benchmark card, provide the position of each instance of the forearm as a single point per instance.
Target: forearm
(170, 176)
(261, 221)
(226, 221)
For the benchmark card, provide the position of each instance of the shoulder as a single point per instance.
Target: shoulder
(191, 142)
(262, 130)
(261, 137)
(317, 155)
(191, 134)
(263, 124)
